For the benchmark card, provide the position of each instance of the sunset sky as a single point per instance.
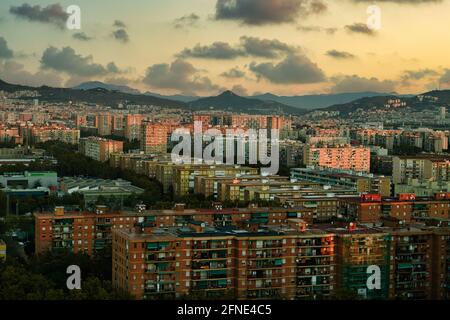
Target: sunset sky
(286, 47)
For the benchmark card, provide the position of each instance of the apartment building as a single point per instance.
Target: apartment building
(412, 249)
(217, 262)
(360, 182)
(51, 133)
(405, 207)
(441, 262)
(422, 167)
(183, 176)
(340, 157)
(132, 126)
(99, 149)
(356, 250)
(264, 188)
(104, 124)
(153, 137)
(87, 231)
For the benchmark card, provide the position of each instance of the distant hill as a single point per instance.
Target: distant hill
(229, 101)
(317, 101)
(176, 97)
(111, 87)
(427, 100)
(366, 103)
(98, 96)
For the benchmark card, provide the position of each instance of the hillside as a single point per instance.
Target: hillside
(229, 101)
(111, 87)
(98, 96)
(318, 101)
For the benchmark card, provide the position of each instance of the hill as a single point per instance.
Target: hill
(318, 101)
(97, 96)
(111, 87)
(229, 101)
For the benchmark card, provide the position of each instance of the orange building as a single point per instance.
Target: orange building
(98, 148)
(153, 137)
(343, 157)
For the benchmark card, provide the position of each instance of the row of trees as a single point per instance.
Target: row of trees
(44, 278)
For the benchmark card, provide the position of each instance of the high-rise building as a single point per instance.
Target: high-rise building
(99, 148)
(153, 137)
(436, 168)
(104, 124)
(132, 126)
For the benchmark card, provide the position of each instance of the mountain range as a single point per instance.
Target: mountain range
(229, 101)
(105, 94)
(318, 101)
(307, 102)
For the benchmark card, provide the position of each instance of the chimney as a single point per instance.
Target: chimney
(59, 211)
(179, 207)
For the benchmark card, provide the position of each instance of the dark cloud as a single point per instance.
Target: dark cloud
(260, 12)
(5, 51)
(317, 29)
(239, 90)
(340, 54)
(189, 20)
(81, 36)
(121, 35)
(248, 46)
(361, 28)
(52, 14)
(179, 75)
(356, 83)
(119, 24)
(217, 50)
(294, 69)
(418, 74)
(14, 72)
(67, 60)
(233, 73)
(265, 48)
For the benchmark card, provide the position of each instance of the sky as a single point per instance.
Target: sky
(203, 47)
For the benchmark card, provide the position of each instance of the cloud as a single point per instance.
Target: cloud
(239, 90)
(121, 35)
(418, 74)
(14, 72)
(52, 14)
(179, 75)
(119, 24)
(342, 55)
(445, 77)
(330, 31)
(67, 60)
(361, 28)
(265, 48)
(5, 51)
(354, 83)
(261, 12)
(248, 46)
(233, 73)
(217, 50)
(294, 69)
(81, 36)
(189, 20)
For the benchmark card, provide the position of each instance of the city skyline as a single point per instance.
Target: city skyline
(288, 47)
